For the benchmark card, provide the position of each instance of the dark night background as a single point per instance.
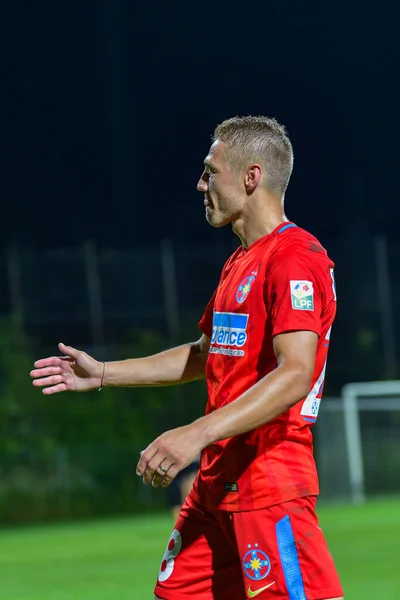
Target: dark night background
(108, 108)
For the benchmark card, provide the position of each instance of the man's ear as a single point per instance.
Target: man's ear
(252, 177)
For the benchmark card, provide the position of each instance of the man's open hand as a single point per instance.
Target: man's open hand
(76, 371)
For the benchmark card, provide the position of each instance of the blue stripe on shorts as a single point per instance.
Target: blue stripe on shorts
(290, 559)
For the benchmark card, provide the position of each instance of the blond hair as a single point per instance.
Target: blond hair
(262, 140)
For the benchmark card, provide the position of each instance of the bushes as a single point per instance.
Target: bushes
(74, 455)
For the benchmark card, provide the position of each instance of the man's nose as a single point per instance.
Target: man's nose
(202, 184)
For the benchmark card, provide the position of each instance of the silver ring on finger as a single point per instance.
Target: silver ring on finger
(162, 469)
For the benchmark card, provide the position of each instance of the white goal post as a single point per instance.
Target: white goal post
(374, 395)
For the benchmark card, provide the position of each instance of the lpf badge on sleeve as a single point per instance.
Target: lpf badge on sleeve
(302, 293)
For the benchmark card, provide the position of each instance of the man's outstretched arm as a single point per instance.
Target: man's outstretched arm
(77, 371)
(174, 366)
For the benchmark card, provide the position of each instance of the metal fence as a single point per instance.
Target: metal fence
(99, 297)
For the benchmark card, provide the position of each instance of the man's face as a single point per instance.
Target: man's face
(223, 193)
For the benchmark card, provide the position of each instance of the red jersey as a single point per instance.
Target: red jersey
(282, 282)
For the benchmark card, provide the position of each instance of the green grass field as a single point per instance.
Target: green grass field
(118, 559)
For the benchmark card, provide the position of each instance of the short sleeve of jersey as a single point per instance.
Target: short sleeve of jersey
(294, 294)
(206, 321)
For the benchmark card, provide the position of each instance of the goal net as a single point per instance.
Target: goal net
(357, 442)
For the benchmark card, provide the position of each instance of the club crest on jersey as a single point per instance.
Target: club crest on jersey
(302, 293)
(244, 288)
(256, 563)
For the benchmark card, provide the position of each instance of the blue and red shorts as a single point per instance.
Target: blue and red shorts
(277, 552)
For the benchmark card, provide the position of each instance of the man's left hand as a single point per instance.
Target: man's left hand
(171, 452)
